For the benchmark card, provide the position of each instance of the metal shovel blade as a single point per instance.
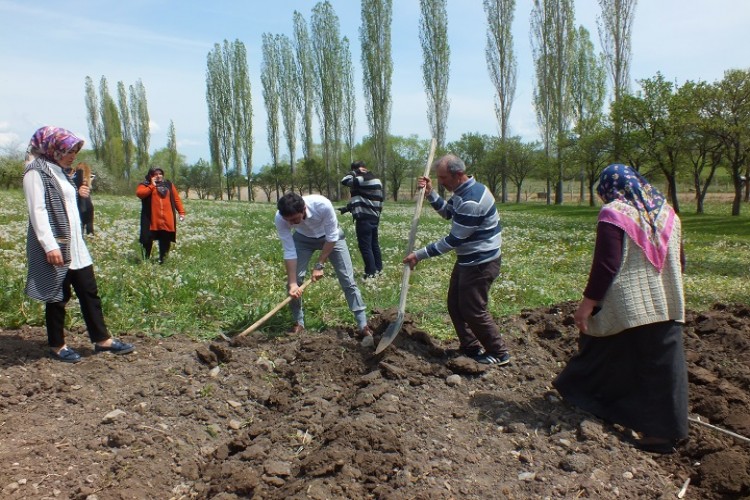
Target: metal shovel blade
(390, 333)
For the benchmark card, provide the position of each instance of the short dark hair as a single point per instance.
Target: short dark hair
(357, 165)
(290, 204)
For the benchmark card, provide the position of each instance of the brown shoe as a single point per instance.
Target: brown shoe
(297, 328)
(365, 332)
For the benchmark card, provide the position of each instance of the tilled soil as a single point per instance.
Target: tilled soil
(320, 416)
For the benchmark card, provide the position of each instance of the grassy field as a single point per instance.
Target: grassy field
(226, 269)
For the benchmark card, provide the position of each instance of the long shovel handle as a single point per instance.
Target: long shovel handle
(394, 328)
(270, 313)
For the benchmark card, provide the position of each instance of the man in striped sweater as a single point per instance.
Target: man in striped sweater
(365, 206)
(476, 238)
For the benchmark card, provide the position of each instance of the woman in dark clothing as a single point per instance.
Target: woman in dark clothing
(85, 205)
(630, 367)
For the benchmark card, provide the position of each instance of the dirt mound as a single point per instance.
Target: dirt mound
(319, 416)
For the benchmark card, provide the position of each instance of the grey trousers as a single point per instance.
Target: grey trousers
(341, 261)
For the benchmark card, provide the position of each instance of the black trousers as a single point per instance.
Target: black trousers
(369, 247)
(84, 284)
(165, 239)
(468, 294)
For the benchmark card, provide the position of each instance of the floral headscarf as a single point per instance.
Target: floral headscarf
(53, 143)
(638, 208)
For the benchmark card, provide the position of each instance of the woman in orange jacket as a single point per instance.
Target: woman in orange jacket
(160, 204)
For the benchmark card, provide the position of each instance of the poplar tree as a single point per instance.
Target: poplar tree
(127, 142)
(305, 82)
(588, 88)
(242, 114)
(349, 102)
(93, 118)
(433, 35)
(377, 73)
(269, 78)
(141, 130)
(502, 66)
(172, 150)
(326, 44)
(552, 43)
(112, 154)
(288, 98)
(229, 109)
(615, 26)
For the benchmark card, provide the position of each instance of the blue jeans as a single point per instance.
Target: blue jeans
(342, 265)
(367, 240)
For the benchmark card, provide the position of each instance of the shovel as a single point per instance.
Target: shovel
(395, 327)
(270, 313)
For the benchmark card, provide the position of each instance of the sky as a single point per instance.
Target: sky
(49, 48)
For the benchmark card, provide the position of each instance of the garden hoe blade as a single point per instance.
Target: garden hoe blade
(395, 327)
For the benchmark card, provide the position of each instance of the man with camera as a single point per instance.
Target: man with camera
(365, 205)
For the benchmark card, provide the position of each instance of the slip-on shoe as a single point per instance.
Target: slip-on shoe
(66, 355)
(116, 347)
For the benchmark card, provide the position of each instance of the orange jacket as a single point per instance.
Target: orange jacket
(162, 215)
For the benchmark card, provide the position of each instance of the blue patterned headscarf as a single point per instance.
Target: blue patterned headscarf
(637, 207)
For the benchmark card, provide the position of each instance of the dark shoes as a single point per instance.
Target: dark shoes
(297, 328)
(364, 332)
(66, 355)
(116, 347)
(493, 359)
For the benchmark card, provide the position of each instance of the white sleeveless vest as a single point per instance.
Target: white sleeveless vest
(640, 294)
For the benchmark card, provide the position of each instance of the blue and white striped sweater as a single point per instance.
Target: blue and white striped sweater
(476, 232)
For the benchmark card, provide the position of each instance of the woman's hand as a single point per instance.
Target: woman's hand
(55, 257)
(582, 314)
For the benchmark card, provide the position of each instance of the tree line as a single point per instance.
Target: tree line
(678, 132)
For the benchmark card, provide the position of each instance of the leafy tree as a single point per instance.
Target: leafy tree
(615, 27)
(11, 165)
(728, 109)
(201, 178)
(409, 156)
(655, 112)
(502, 66)
(377, 76)
(592, 152)
(93, 118)
(433, 35)
(703, 149)
(523, 159)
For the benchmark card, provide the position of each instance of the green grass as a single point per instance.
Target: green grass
(226, 270)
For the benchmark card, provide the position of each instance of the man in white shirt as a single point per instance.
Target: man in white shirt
(315, 226)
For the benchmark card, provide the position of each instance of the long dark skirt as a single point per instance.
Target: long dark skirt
(637, 378)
